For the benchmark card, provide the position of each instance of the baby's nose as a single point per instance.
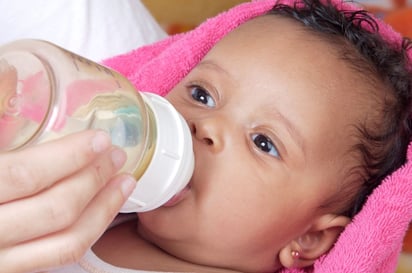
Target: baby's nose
(207, 133)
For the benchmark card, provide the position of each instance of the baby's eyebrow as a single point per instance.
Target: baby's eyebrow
(290, 128)
(210, 64)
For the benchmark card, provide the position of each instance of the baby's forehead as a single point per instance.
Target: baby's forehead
(274, 24)
(278, 31)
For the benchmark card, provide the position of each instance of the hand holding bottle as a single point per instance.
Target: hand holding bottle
(57, 198)
(47, 92)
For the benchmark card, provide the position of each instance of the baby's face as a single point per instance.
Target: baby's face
(271, 111)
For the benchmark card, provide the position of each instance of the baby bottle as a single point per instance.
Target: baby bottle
(47, 92)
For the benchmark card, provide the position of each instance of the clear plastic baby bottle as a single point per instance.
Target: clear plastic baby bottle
(47, 92)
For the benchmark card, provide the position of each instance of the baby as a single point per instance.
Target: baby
(296, 116)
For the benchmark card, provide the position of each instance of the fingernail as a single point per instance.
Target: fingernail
(118, 157)
(100, 142)
(128, 185)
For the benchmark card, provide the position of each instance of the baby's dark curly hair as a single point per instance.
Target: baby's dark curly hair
(382, 147)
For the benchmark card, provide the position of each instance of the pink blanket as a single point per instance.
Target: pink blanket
(373, 241)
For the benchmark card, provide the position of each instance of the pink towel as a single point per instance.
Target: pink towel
(373, 241)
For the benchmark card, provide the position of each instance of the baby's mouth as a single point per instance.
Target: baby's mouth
(178, 196)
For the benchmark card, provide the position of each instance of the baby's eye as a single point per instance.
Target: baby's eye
(201, 95)
(265, 144)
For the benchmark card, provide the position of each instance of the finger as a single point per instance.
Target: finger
(26, 172)
(60, 205)
(68, 246)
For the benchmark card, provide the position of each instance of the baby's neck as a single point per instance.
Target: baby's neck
(123, 247)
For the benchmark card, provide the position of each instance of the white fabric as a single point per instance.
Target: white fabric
(90, 263)
(96, 29)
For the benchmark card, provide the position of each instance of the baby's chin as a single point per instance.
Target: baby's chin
(175, 220)
(178, 197)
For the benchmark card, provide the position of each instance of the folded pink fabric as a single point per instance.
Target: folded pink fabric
(373, 241)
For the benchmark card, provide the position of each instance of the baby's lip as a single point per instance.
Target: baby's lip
(178, 196)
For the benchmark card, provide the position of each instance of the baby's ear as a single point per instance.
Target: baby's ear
(320, 237)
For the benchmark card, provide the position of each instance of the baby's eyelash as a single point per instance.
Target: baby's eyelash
(265, 144)
(201, 95)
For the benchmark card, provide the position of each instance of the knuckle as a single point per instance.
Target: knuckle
(80, 158)
(22, 178)
(110, 210)
(96, 174)
(61, 214)
(98, 170)
(100, 173)
(72, 251)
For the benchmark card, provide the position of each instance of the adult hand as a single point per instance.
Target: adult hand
(57, 198)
